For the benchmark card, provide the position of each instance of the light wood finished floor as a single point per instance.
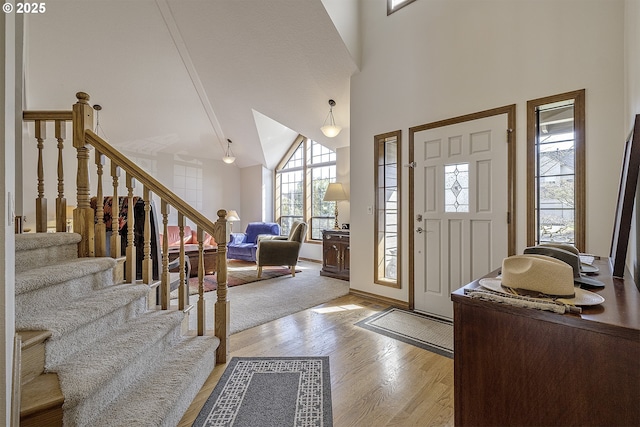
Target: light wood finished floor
(375, 380)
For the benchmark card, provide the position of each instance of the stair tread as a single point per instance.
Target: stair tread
(31, 338)
(40, 394)
(172, 377)
(59, 320)
(38, 278)
(92, 368)
(27, 241)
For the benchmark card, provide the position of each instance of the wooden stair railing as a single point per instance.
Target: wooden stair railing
(92, 227)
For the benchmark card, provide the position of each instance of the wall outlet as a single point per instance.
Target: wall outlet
(370, 210)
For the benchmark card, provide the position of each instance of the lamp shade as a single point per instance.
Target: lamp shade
(334, 193)
(330, 131)
(228, 155)
(232, 215)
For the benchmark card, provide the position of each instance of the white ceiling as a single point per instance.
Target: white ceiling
(181, 77)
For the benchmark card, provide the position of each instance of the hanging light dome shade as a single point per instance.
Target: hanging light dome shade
(228, 155)
(329, 128)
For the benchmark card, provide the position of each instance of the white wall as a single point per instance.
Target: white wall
(268, 209)
(438, 59)
(256, 190)
(344, 14)
(10, 108)
(632, 107)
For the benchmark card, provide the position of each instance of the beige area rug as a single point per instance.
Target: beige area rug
(261, 302)
(430, 333)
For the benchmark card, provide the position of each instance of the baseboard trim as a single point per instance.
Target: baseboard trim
(386, 300)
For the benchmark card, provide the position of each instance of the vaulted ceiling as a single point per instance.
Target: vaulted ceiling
(180, 77)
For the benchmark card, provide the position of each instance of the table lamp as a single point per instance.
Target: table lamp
(335, 193)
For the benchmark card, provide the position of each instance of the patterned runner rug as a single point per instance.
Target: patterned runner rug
(430, 333)
(270, 391)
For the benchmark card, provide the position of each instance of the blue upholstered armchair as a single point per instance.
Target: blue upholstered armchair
(244, 245)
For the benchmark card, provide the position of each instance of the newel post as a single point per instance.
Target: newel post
(222, 319)
(83, 215)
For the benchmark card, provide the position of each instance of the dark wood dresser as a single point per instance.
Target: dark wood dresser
(518, 366)
(335, 254)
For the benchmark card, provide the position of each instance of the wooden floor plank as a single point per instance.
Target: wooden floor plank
(375, 380)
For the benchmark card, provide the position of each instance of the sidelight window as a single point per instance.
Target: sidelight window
(387, 205)
(556, 169)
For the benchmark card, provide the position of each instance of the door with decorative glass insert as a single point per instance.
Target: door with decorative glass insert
(460, 198)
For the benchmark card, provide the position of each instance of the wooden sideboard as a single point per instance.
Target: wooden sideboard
(335, 254)
(519, 366)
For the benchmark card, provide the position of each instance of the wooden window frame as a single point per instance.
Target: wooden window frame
(378, 139)
(306, 169)
(578, 97)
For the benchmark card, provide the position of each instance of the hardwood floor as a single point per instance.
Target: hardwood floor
(375, 380)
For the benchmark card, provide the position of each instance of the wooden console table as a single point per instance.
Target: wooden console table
(518, 366)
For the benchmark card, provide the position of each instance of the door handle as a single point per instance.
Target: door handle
(419, 230)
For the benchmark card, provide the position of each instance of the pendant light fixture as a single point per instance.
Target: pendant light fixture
(228, 155)
(330, 130)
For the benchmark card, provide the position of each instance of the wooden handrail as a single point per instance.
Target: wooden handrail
(32, 115)
(93, 233)
(154, 185)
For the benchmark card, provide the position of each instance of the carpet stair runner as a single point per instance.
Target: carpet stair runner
(117, 363)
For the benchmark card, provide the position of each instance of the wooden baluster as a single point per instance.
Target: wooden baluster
(222, 319)
(130, 270)
(116, 248)
(201, 312)
(183, 293)
(100, 228)
(165, 277)
(61, 201)
(147, 264)
(41, 201)
(83, 215)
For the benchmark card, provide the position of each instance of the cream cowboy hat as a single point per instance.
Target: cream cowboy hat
(540, 276)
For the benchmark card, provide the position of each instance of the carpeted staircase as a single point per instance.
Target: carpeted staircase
(118, 363)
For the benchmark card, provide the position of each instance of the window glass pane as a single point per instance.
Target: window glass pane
(286, 222)
(387, 193)
(320, 179)
(394, 5)
(291, 193)
(456, 188)
(296, 160)
(297, 179)
(555, 173)
(322, 213)
(319, 224)
(321, 154)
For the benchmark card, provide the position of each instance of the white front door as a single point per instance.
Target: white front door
(460, 198)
